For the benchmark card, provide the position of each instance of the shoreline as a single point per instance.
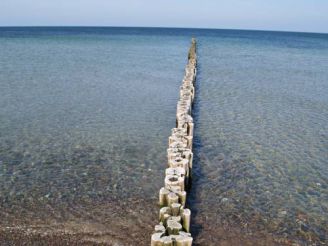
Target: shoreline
(223, 237)
(123, 228)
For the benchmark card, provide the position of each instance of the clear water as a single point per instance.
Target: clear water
(85, 114)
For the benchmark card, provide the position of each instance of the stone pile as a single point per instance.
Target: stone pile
(174, 217)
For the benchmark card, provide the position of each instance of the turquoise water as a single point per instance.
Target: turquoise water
(85, 114)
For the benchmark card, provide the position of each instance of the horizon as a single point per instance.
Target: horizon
(278, 15)
(163, 27)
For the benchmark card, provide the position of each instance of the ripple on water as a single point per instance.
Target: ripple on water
(262, 154)
(83, 135)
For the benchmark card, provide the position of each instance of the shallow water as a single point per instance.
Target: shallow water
(85, 114)
(262, 114)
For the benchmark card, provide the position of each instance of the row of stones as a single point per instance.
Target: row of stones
(174, 227)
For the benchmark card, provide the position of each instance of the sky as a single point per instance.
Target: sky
(283, 15)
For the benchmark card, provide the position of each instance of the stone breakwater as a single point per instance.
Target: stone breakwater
(174, 226)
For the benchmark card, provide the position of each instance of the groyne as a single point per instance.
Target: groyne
(174, 218)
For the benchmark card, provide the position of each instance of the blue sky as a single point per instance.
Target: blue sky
(287, 15)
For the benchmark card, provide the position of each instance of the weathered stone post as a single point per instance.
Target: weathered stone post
(174, 218)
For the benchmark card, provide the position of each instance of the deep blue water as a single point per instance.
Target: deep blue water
(85, 114)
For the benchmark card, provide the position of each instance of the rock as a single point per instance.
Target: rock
(282, 214)
(224, 199)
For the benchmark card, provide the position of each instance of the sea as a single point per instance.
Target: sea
(85, 116)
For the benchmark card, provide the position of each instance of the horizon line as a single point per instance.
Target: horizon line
(164, 27)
